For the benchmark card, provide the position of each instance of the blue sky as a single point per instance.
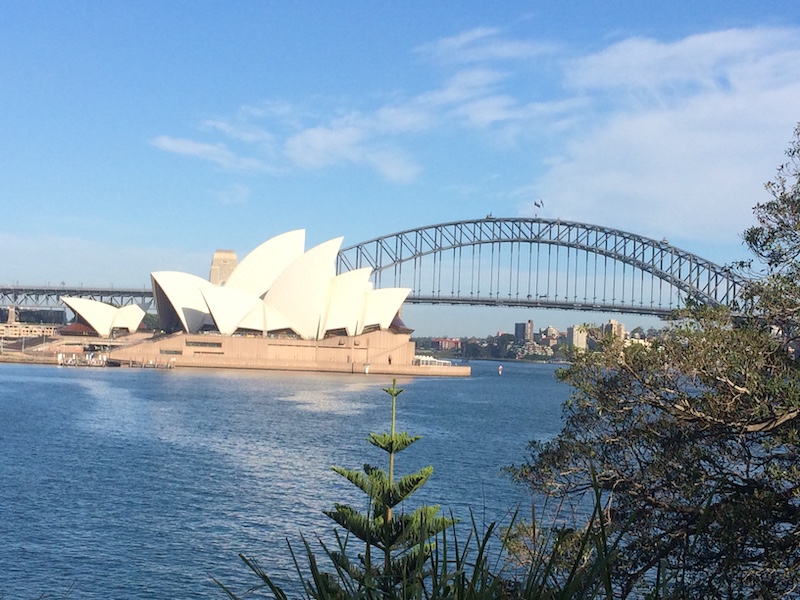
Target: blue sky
(141, 136)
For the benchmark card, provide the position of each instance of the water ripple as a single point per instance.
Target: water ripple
(125, 483)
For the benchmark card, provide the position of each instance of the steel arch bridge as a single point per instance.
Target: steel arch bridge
(501, 262)
(544, 263)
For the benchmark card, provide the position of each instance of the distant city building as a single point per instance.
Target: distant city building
(446, 343)
(523, 332)
(534, 349)
(548, 336)
(577, 337)
(614, 328)
(223, 264)
(25, 330)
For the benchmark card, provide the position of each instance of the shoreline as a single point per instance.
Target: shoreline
(20, 358)
(378, 353)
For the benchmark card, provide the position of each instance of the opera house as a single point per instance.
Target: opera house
(280, 307)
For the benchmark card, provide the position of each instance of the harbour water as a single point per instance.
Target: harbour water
(144, 483)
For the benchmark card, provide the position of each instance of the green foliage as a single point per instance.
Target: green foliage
(392, 443)
(774, 297)
(695, 439)
(401, 538)
(776, 239)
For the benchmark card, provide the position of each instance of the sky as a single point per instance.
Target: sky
(142, 136)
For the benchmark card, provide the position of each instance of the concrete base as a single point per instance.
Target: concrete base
(378, 352)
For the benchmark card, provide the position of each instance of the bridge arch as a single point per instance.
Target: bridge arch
(530, 262)
(538, 262)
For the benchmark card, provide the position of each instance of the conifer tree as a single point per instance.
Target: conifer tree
(402, 540)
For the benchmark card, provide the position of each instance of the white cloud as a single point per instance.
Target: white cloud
(365, 138)
(481, 44)
(664, 138)
(695, 64)
(466, 85)
(244, 132)
(402, 119)
(393, 165)
(484, 112)
(216, 153)
(319, 147)
(326, 146)
(680, 136)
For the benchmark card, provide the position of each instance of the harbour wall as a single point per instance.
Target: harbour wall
(378, 352)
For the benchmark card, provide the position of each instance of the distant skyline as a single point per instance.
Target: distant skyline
(138, 137)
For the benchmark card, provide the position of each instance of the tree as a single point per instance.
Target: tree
(694, 442)
(395, 561)
(402, 540)
(774, 297)
(474, 350)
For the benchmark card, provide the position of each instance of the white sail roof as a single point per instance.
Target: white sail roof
(382, 305)
(228, 306)
(346, 301)
(129, 317)
(183, 293)
(278, 287)
(104, 318)
(258, 270)
(301, 291)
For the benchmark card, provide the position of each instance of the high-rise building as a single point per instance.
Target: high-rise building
(577, 337)
(523, 332)
(529, 331)
(222, 265)
(614, 328)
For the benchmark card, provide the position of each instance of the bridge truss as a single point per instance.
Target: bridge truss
(47, 297)
(541, 263)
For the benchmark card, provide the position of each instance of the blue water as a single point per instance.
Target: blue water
(141, 483)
